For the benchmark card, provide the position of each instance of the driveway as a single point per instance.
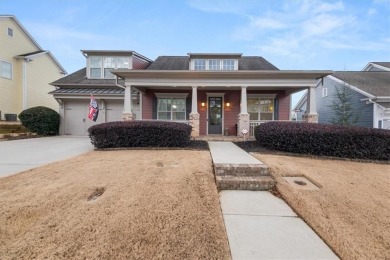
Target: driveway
(21, 155)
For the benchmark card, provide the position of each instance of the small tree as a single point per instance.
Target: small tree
(342, 108)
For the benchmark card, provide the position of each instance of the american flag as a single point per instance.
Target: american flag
(93, 109)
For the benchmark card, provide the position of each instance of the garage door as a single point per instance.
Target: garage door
(76, 117)
(115, 110)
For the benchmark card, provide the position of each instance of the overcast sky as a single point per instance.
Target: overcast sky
(291, 34)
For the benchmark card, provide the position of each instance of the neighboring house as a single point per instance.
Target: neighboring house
(370, 95)
(25, 70)
(215, 93)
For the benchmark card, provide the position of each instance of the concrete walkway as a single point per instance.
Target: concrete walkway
(25, 154)
(260, 225)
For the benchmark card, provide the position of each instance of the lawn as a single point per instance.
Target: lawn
(351, 210)
(155, 204)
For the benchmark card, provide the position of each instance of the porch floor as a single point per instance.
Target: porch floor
(223, 138)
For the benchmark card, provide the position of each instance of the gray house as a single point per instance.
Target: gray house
(369, 95)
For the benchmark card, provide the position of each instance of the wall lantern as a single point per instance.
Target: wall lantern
(203, 104)
(228, 104)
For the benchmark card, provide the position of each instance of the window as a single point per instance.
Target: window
(6, 70)
(101, 67)
(228, 65)
(324, 92)
(214, 64)
(261, 108)
(171, 109)
(10, 32)
(199, 64)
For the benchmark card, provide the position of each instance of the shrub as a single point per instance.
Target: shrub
(40, 120)
(323, 139)
(140, 133)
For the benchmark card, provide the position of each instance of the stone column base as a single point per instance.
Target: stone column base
(242, 124)
(128, 116)
(310, 118)
(194, 122)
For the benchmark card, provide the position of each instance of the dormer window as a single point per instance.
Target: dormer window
(214, 64)
(101, 67)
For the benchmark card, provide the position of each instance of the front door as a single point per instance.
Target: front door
(215, 116)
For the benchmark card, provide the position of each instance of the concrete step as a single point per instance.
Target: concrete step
(226, 169)
(257, 183)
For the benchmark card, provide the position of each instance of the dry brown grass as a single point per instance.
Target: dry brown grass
(114, 205)
(351, 211)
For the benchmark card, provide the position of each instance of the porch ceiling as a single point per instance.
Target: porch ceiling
(218, 79)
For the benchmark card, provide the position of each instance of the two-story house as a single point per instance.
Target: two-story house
(369, 95)
(216, 93)
(25, 70)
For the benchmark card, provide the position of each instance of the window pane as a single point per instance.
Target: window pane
(199, 64)
(214, 64)
(10, 32)
(108, 74)
(266, 105)
(253, 116)
(253, 105)
(6, 70)
(178, 104)
(228, 64)
(122, 63)
(164, 115)
(95, 62)
(266, 116)
(95, 73)
(179, 116)
(109, 62)
(164, 104)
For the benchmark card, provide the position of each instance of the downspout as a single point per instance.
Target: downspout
(24, 84)
(117, 83)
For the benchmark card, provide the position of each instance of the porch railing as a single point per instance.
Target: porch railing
(253, 123)
(177, 121)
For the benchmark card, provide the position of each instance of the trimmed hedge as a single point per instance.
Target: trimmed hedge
(324, 139)
(40, 120)
(138, 133)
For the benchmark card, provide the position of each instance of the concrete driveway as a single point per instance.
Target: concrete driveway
(21, 155)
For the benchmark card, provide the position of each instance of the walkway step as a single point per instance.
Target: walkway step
(254, 183)
(228, 169)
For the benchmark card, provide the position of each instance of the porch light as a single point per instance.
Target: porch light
(203, 104)
(228, 104)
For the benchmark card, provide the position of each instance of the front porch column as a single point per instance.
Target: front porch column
(194, 115)
(127, 111)
(311, 115)
(243, 116)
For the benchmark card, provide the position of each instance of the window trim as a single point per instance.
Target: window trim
(172, 96)
(207, 64)
(263, 96)
(1, 73)
(12, 32)
(324, 92)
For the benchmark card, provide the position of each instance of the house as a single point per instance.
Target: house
(369, 95)
(25, 70)
(216, 93)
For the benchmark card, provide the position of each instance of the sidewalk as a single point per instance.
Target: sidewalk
(260, 225)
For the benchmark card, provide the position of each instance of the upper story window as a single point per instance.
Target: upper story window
(214, 64)
(5, 70)
(10, 32)
(101, 67)
(324, 92)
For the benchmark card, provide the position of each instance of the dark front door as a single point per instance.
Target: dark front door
(215, 115)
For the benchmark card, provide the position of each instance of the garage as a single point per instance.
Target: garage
(75, 114)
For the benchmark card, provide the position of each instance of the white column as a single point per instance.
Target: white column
(244, 109)
(194, 106)
(312, 108)
(127, 105)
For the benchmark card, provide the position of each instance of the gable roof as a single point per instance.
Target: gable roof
(183, 63)
(40, 50)
(79, 78)
(383, 64)
(376, 83)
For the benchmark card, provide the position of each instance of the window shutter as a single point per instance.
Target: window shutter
(188, 107)
(276, 109)
(154, 108)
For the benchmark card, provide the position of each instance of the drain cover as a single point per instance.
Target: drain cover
(301, 183)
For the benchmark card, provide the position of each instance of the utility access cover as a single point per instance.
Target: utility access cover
(300, 182)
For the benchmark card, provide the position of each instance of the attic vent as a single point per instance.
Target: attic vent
(10, 32)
